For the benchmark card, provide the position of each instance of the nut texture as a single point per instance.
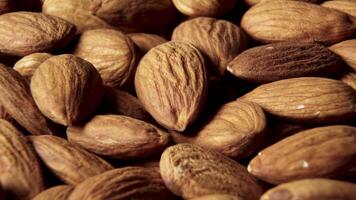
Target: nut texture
(349, 79)
(145, 41)
(346, 50)
(204, 8)
(27, 65)
(345, 6)
(217, 197)
(60, 192)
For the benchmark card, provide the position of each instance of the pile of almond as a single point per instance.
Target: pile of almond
(177, 99)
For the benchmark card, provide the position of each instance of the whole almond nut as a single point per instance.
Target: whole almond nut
(33, 32)
(66, 88)
(284, 60)
(350, 79)
(346, 50)
(310, 189)
(60, 192)
(69, 162)
(204, 8)
(20, 172)
(145, 41)
(15, 97)
(27, 65)
(277, 21)
(307, 100)
(345, 6)
(118, 136)
(114, 57)
(218, 197)
(315, 153)
(123, 183)
(171, 82)
(191, 171)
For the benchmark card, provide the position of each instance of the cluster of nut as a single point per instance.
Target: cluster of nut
(177, 99)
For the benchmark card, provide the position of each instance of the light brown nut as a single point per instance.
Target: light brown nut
(171, 82)
(123, 183)
(4, 115)
(20, 172)
(284, 60)
(118, 136)
(350, 79)
(220, 41)
(254, 2)
(277, 21)
(314, 153)
(67, 161)
(204, 8)
(345, 6)
(191, 171)
(146, 41)
(23, 33)
(217, 197)
(60, 192)
(67, 89)
(111, 52)
(27, 65)
(346, 50)
(306, 99)
(17, 101)
(310, 189)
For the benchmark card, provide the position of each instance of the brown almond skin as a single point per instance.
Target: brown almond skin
(346, 50)
(307, 100)
(306, 155)
(60, 192)
(33, 32)
(273, 62)
(115, 57)
(277, 21)
(194, 8)
(190, 171)
(71, 163)
(250, 3)
(4, 115)
(123, 183)
(20, 173)
(171, 82)
(119, 137)
(146, 41)
(217, 197)
(348, 7)
(310, 189)
(350, 79)
(27, 65)
(15, 97)
(220, 41)
(67, 89)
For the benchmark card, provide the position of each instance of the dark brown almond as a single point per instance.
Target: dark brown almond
(60, 192)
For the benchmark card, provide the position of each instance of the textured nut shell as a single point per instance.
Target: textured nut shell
(191, 171)
(118, 136)
(66, 88)
(69, 162)
(4, 114)
(60, 192)
(146, 41)
(23, 33)
(284, 60)
(217, 197)
(204, 8)
(123, 183)
(320, 152)
(20, 171)
(307, 100)
(27, 65)
(16, 100)
(311, 189)
(111, 52)
(276, 21)
(171, 82)
(350, 79)
(345, 6)
(219, 40)
(346, 50)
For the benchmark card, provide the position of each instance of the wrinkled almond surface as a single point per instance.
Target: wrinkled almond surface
(60, 192)
(350, 79)
(204, 8)
(346, 50)
(346, 6)
(27, 65)
(145, 41)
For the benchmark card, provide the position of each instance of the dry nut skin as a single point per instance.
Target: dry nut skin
(66, 88)
(60, 192)
(171, 82)
(111, 52)
(123, 183)
(346, 50)
(284, 60)
(4, 115)
(350, 79)
(311, 189)
(67, 161)
(345, 6)
(23, 33)
(27, 65)
(118, 136)
(20, 171)
(254, 2)
(204, 8)
(217, 197)
(220, 41)
(191, 171)
(320, 152)
(307, 100)
(146, 41)
(17, 101)
(278, 21)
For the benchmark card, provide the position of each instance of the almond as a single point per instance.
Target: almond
(66, 88)
(284, 60)
(191, 171)
(145, 41)
(171, 82)
(350, 79)
(27, 65)
(204, 8)
(346, 50)
(345, 6)
(60, 192)
(218, 197)
(254, 2)
(319, 152)
(307, 100)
